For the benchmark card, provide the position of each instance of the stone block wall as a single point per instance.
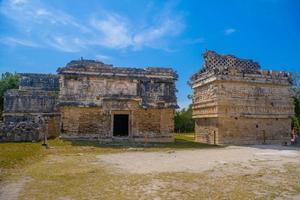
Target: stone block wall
(46, 82)
(53, 125)
(157, 93)
(30, 101)
(254, 100)
(242, 131)
(234, 102)
(96, 123)
(85, 122)
(81, 101)
(154, 124)
(92, 92)
(206, 130)
(29, 127)
(227, 112)
(87, 83)
(254, 130)
(30, 112)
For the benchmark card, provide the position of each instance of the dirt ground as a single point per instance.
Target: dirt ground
(205, 159)
(234, 172)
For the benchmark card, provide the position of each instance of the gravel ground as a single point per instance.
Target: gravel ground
(203, 159)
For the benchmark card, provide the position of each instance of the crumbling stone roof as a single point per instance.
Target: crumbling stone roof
(217, 64)
(92, 67)
(213, 61)
(84, 63)
(34, 81)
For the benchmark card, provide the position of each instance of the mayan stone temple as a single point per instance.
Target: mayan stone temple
(235, 102)
(31, 111)
(92, 100)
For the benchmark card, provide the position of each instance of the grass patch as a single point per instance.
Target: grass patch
(182, 141)
(186, 136)
(177, 144)
(15, 155)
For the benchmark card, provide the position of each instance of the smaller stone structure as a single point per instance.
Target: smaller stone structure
(30, 111)
(235, 102)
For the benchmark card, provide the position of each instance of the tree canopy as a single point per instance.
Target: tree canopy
(184, 121)
(296, 87)
(7, 81)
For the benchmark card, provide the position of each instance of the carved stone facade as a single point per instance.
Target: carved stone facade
(30, 111)
(92, 100)
(235, 102)
(96, 98)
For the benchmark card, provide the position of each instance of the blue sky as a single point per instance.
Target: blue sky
(40, 36)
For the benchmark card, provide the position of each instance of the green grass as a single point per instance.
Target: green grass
(13, 154)
(17, 155)
(186, 136)
(179, 143)
(182, 141)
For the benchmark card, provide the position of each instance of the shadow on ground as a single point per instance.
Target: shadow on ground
(177, 144)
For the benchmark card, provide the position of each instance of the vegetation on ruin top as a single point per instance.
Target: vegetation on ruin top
(7, 81)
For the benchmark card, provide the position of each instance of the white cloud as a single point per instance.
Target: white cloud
(31, 13)
(66, 44)
(11, 41)
(113, 30)
(54, 28)
(229, 31)
(41, 12)
(118, 32)
(148, 37)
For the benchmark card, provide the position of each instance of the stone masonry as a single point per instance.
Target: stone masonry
(235, 102)
(93, 94)
(92, 100)
(30, 111)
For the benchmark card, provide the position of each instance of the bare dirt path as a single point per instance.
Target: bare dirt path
(11, 190)
(203, 159)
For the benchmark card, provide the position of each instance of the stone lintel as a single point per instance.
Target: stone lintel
(255, 116)
(122, 75)
(205, 116)
(30, 113)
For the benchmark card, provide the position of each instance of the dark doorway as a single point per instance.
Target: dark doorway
(121, 125)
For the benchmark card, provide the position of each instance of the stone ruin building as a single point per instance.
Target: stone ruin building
(92, 100)
(235, 102)
(31, 110)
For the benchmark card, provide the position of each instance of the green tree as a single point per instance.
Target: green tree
(183, 120)
(296, 118)
(7, 81)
